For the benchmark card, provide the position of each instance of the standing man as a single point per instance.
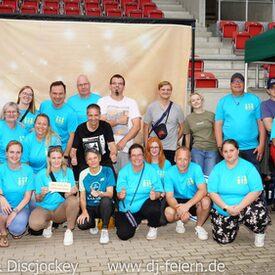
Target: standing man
(173, 120)
(124, 116)
(238, 117)
(186, 193)
(62, 117)
(85, 97)
(93, 134)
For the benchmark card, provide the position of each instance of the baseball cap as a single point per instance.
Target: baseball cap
(270, 82)
(237, 75)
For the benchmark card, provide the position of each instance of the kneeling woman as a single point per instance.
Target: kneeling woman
(16, 186)
(96, 186)
(55, 206)
(139, 188)
(235, 187)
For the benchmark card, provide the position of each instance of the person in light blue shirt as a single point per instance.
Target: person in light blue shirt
(10, 129)
(62, 117)
(238, 116)
(16, 186)
(83, 99)
(235, 187)
(36, 143)
(186, 193)
(26, 104)
(96, 186)
(52, 205)
(138, 189)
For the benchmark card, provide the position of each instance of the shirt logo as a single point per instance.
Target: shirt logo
(21, 181)
(59, 120)
(189, 182)
(249, 107)
(241, 180)
(147, 183)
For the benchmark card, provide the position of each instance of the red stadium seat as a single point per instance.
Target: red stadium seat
(271, 70)
(91, 5)
(205, 80)
(7, 8)
(51, 3)
(135, 13)
(198, 65)
(71, 4)
(93, 12)
(110, 5)
(141, 2)
(155, 14)
(123, 2)
(72, 11)
(26, 9)
(253, 28)
(130, 6)
(34, 3)
(50, 10)
(227, 28)
(13, 3)
(114, 12)
(271, 25)
(239, 39)
(146, 7)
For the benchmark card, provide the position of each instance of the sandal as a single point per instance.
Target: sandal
(4, 242)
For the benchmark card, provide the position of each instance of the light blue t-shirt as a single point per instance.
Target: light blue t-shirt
(232, 185)
(29, 119)
(14, 183)
(240, 115)
(129, 179)
(161, 172)
(99, 182)
(183, 185)
(7, 134)
(35, 152)
(63, 120)
(272, 135)
(52, 200)
(80, 105)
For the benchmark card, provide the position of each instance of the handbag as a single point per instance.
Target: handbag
(130, 217)
(160, 128)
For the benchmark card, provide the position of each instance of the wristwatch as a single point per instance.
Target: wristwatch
(225, 208)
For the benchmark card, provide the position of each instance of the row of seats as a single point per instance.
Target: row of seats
(230, 29)
(132, 8)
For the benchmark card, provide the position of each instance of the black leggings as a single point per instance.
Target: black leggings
(104, 211)
(150, 210)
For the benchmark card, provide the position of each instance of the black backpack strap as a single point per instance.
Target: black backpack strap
(22, 118)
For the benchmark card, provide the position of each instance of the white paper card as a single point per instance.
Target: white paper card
(55, 186)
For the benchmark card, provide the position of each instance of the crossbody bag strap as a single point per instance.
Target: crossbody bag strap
(54, 179)
(169, 108)
(22, 118)
(167, 111)
(136, 188)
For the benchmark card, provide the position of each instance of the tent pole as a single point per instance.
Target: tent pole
(257, 76)
(245, 76)
(246, 10)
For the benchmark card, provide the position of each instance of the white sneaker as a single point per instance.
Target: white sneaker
(201, 233)
(68, 237)
(94, 230)
(259, 240)
(152, 233)
(180, 227)
(47, 232)
(104, 237)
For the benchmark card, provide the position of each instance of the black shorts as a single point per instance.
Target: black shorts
(192, 210)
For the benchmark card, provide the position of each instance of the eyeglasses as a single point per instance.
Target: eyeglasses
(83, 84)
(27, 94)
(154, 147)
(11, 112)
(237, 81)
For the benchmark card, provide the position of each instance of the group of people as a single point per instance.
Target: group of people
(76, 161)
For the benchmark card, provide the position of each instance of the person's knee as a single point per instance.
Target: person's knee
(106, 202)
(169, 213)
(125, 235)
(73, 202)
(205, 203)
(18, 229)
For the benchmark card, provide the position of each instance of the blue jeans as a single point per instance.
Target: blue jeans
(19, 224)
(206, 159)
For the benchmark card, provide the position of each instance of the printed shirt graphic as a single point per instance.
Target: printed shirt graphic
(184, 185)
(28, 120)
(98, 182)
(14, 183)
(128, 179)
(233, 184)
(52, 200)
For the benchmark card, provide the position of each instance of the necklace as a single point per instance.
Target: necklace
(237, 102)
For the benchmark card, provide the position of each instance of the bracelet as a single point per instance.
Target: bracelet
(66, 157)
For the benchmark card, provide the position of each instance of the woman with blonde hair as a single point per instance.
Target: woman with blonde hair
(199, 127)
(26, 104)
(10, 129)
(37, 142)
(52, 205)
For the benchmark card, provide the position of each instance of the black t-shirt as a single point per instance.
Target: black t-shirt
(99, 139)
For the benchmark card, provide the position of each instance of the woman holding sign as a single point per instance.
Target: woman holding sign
(96, 186)
(55, 190)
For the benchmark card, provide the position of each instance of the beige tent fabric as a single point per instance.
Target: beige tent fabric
(37, 53)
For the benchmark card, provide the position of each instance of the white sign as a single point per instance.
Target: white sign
(56, 186)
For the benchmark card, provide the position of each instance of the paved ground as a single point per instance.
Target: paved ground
(171, 253)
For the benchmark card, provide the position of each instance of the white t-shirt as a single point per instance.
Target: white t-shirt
(113, 109)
